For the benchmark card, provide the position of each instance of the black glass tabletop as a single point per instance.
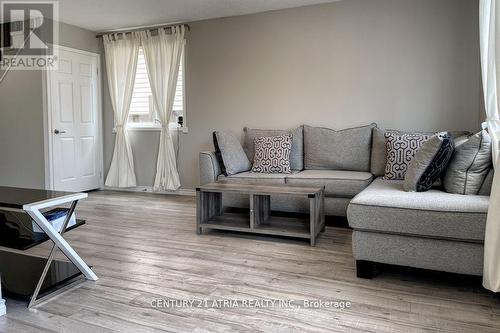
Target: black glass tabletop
(16, 197)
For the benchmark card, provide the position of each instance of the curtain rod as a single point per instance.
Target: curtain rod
(150, 28)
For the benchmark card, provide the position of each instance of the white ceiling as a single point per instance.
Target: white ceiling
(102, 15)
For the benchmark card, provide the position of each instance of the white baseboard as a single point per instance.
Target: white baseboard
(149, 189)
(3, 308)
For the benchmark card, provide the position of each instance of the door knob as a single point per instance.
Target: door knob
(56, 131)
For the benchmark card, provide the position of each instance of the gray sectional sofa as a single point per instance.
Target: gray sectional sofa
(431, 230)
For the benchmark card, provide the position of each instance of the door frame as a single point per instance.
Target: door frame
(47, 120)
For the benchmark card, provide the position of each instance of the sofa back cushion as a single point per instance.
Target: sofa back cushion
(296, 154)
(347, 149)
(230, 155)
(469, 165)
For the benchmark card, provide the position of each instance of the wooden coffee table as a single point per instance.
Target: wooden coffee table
(259, 220)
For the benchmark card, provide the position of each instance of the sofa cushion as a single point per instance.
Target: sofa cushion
(297, 153)
(429, 163)
(338, 183)
(469, 165)
(347, 149)
(255, 178)
(272, 154)
(230, 154)
(385, 207)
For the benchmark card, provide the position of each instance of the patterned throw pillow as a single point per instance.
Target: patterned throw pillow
(297, 153)
(401, 148)
(272, 154)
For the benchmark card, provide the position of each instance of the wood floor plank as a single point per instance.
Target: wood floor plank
(144, 248)
(51, 321)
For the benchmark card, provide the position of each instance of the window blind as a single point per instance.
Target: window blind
(140, 104)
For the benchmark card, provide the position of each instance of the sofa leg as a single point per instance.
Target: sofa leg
(365, 269)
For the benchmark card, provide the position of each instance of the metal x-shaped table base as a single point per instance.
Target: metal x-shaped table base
(57, 237)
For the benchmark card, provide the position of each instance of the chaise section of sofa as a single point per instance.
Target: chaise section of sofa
(432, 230)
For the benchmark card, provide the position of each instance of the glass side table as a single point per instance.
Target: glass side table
(27, 275)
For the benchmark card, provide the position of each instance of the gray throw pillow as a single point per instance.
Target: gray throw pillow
(272, 154)
(232, 159)
(469, 165)
(401, 147)
(347, 149)
(297, 153)
(429, 163)
(487, 183)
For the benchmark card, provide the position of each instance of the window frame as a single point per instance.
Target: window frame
(157, 126)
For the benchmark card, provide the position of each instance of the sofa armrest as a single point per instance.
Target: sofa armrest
(209, 167)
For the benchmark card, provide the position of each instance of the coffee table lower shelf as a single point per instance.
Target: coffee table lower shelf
(275, 225)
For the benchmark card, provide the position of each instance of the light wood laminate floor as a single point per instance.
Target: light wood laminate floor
(144, 247)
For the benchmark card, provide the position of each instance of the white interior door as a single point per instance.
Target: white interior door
(74, 122)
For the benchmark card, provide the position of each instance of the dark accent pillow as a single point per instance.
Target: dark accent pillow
(218, 154)
(230, 155)
(272, 154)
(401, 148)
(429, 163)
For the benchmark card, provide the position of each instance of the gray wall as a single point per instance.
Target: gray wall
(78, 38)
(408, 64)
(21, 117)
(21, 130)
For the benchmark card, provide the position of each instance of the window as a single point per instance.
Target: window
(142, 112)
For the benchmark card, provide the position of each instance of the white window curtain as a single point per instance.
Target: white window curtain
(121, 52)
(163, 55)
(489, 31)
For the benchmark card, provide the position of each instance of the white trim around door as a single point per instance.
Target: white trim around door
(48, 126)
